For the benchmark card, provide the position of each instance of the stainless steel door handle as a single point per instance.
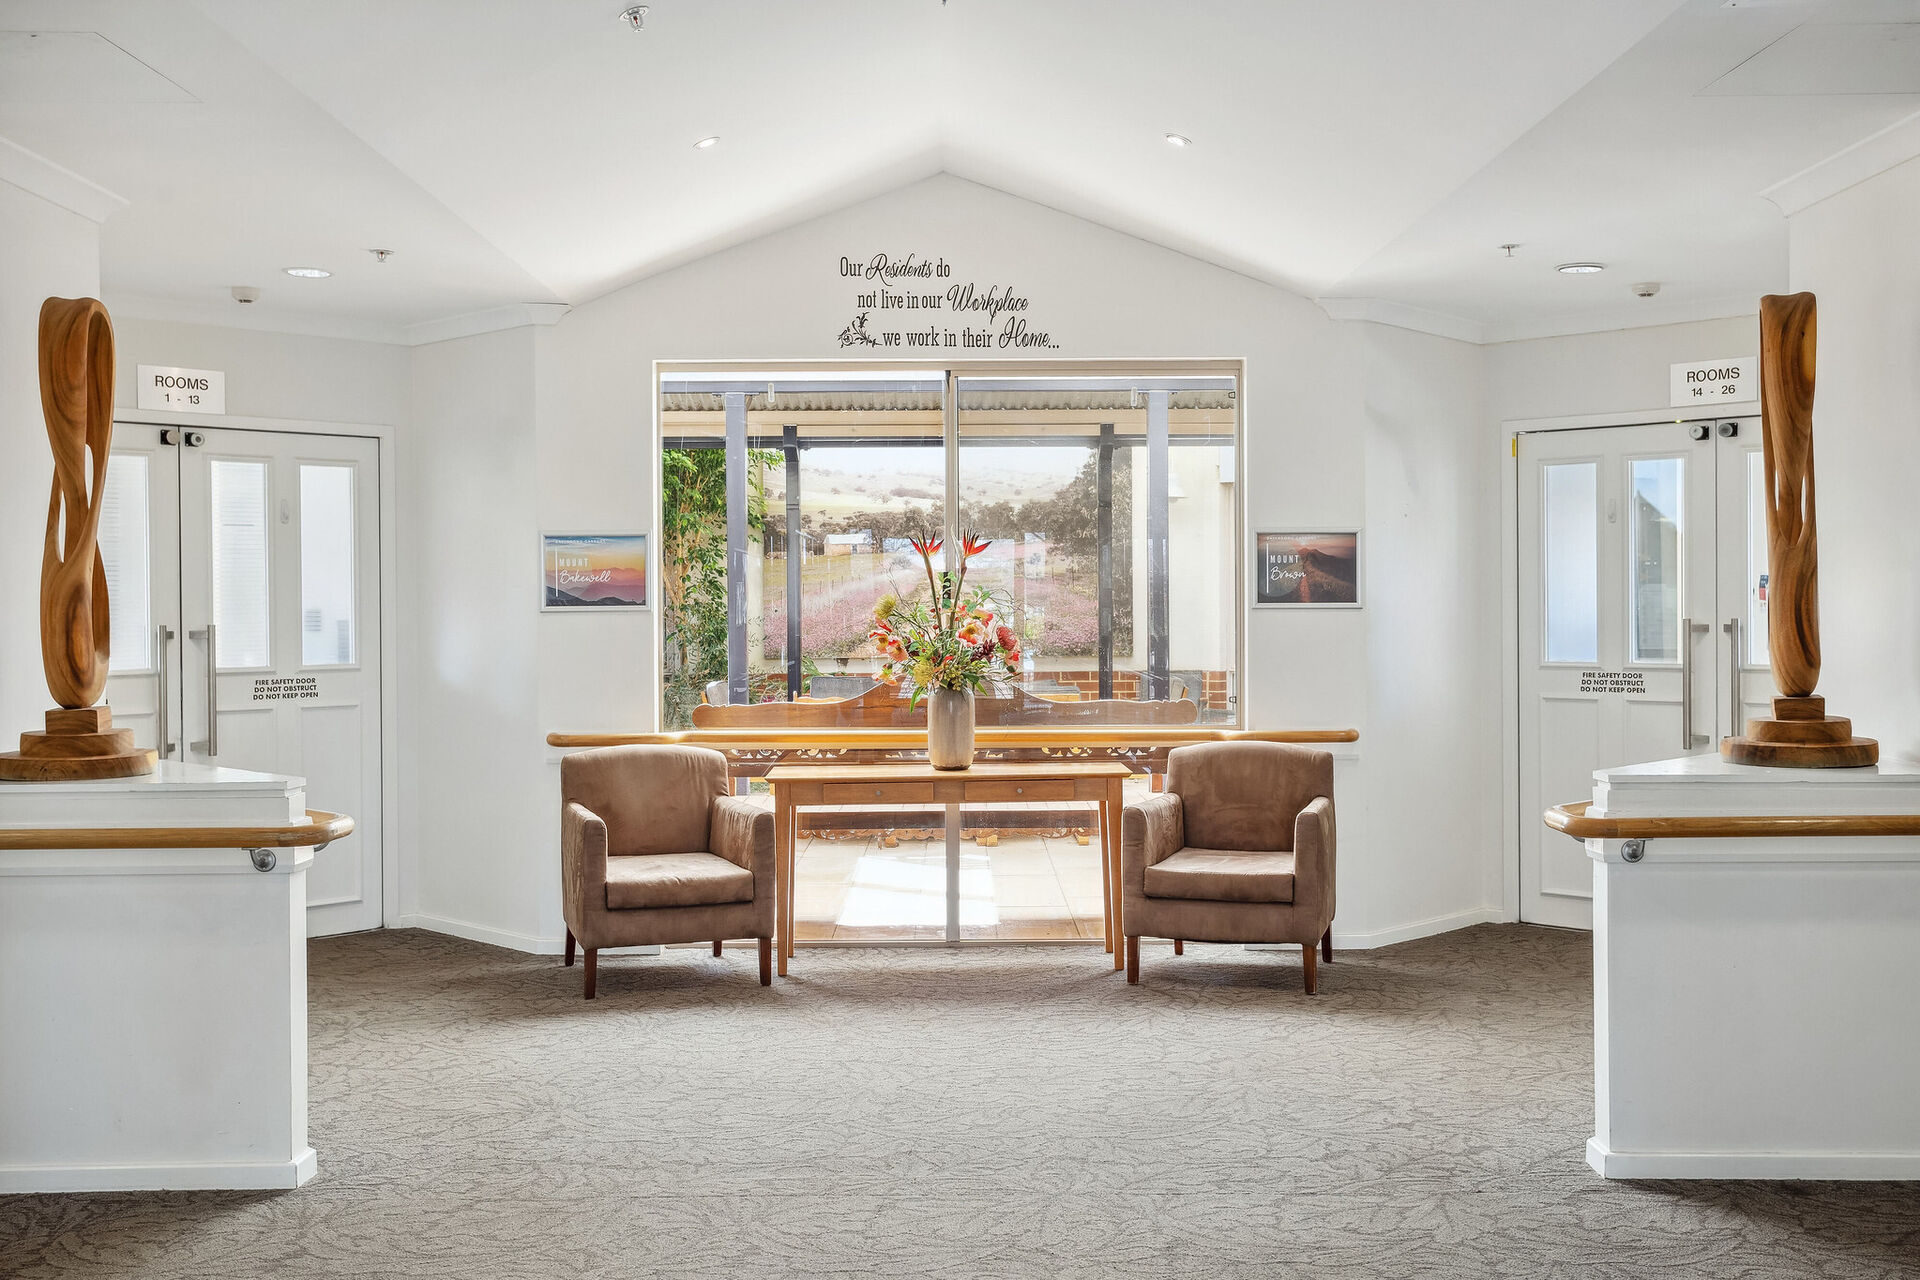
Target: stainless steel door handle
(163, 736)
(211, 744)
(1688, 739)
(1733, 648)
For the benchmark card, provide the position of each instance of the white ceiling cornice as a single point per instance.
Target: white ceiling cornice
(268, 320)
(1896, 144)
(493, 319)
(234, 315)
(33, 172)
(1647, 315)
(1401, 316)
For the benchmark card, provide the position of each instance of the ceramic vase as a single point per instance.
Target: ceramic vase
(950, 728)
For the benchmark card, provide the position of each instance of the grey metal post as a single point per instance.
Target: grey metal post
(736, 402)
(1159, 624)
(1103, 537)
(796, 554)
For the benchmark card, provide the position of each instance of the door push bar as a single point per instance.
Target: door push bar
(211, 744)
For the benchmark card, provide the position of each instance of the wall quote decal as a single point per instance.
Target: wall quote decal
(966, 315)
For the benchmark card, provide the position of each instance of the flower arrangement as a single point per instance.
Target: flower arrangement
(952, 640)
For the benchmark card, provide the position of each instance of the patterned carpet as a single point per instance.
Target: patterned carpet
(980, 1113)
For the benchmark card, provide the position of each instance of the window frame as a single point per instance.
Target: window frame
(951, 372)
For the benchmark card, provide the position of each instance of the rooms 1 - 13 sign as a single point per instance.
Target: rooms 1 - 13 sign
(181, 390)
(1714, 381)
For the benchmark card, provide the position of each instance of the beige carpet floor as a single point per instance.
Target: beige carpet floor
(998, 1112)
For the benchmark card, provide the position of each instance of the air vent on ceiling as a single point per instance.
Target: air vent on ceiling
(1829, 58)
(55, 67)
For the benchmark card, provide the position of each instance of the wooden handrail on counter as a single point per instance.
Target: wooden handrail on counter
(321, 828)
(1035, 736)
(1572, 819)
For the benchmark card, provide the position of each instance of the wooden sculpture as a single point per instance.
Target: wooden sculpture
(76, 395)
(1800, 734)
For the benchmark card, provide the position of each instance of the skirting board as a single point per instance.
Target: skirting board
(526, 942)
(1794, 1166)
(1343, 941)
(278, 1175)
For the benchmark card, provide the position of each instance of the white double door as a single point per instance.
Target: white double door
(1642, 611)
(243, 572)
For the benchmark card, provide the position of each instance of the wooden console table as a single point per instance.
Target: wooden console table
(988, 782)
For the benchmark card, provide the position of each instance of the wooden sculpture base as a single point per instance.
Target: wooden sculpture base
(1801, 735)
(76, 746)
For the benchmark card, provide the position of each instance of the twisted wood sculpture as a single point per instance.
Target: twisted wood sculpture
(76, 395)
(1800, 734)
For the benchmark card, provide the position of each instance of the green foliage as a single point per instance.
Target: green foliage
(693, 569)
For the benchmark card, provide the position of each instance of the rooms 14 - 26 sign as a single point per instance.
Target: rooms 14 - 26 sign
(915, 303)
(1730, 381)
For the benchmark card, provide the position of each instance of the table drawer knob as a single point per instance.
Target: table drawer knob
(1019, 791)
(877, 792)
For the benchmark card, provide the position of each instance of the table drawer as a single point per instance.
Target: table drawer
(876, 793)
(1008, 792)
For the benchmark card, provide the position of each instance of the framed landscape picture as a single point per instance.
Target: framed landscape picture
(1299, 569)
(593, 570)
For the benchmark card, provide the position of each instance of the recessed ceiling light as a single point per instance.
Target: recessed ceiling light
(1580, 268)
(707, 144)
(1179, 140)
(309, 273)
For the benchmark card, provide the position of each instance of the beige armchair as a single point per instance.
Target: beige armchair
(653, 850)
(1239, 848)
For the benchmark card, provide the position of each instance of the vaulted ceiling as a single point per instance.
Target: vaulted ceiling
(1377, 152)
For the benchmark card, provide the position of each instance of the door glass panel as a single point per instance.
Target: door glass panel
(125, 550)
(1571, 493)
(1756, 585)
(1656, 526)
(240, 562)
(326, 565)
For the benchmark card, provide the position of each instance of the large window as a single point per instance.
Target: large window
(1107, 493)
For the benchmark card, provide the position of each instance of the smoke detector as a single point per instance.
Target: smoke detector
(1645, 289)
(245, 293)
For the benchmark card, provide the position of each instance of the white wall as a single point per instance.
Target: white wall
(480, 854)
(1433, 637)
(1312, 438)
(1858, 253)
(45, 251)
(272, 375)
(1619, 371)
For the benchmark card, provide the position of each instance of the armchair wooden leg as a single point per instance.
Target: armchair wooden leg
(1179, 946)
(1133, 960)
(569, 948)
(1326, 945)
(716, 946)
(593, 955)
(766, 962)
(1307, 960)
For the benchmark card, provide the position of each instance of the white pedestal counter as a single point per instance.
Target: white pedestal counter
(1756, 996)
(153, 999)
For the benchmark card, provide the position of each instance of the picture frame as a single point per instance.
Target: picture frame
(1307, 569)
(594, 572)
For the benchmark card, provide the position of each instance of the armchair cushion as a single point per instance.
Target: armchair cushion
(653, 799)
(648, 880)
(1223, 875)
(1244, 795)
